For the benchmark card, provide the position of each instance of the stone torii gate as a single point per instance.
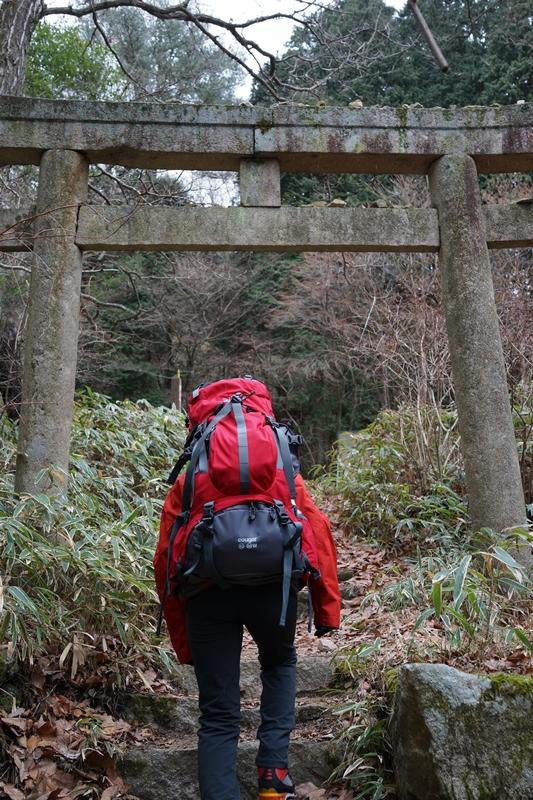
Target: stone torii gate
(451, 146)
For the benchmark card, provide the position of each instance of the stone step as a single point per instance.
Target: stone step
(159, 773)
(313, 674)
(179, 715)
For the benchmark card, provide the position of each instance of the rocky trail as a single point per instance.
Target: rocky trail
(139, 741)
(118, 726)
(153, 771)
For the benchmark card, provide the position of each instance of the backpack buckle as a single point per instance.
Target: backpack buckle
(283, 517)
(205, 525)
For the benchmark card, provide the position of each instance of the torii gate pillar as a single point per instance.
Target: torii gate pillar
(495, 493)
(52, 328)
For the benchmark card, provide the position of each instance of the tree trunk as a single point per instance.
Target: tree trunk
(18, 19)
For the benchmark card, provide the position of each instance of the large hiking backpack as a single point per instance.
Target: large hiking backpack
(239, 522)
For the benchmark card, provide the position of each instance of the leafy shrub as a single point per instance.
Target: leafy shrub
(480, 595)
(365, 767)
(77, 569)
(400, 478)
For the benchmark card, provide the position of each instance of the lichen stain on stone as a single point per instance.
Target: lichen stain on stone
(264, 124)
(378, 142)
(401, 113)
(335, 142)
(516, 140)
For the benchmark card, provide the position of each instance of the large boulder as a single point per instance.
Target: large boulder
(462, 737)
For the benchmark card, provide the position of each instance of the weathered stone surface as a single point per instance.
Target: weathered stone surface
(259, 183)
(272, 229)
(191, 228)
(388, 140)
(509, 225)
(496, 498)
(462, 737)
(160, 773)
(180, 715)
(52, 330)
(313, 674)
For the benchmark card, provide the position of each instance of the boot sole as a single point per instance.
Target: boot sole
(273, 795)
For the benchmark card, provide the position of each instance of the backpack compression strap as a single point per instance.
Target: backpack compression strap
(242, 441)
(199, 447)
(286, 459)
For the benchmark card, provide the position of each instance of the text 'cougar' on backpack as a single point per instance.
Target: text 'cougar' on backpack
(239, 522)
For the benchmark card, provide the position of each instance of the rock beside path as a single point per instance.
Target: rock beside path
(462, 737)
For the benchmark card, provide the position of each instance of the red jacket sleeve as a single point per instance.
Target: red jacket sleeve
(173, 607)
(325, 592)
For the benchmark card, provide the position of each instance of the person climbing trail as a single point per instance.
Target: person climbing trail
(239, 536)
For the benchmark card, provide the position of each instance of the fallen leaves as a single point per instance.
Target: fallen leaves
(61, 753)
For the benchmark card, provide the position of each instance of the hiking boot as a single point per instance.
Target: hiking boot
(275, 784)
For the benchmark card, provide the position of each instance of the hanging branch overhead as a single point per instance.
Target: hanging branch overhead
(430, 39)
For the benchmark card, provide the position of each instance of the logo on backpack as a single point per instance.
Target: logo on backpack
(239, 522)
(247, 542)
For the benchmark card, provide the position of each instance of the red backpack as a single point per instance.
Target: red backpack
(239, 522)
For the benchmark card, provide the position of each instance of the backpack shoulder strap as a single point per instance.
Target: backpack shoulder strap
(187, 453)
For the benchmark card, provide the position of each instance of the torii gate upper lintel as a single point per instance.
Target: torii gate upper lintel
(450, 145)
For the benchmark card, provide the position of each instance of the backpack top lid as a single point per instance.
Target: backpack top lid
(206, 399)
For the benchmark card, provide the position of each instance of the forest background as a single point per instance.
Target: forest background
(335, 336)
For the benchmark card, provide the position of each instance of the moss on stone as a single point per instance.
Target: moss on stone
(149, 708)
(264, 124)
(511, 685)
(341, 673)
(401, 113)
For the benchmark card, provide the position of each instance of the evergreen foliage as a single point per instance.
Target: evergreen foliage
(380, 56)
(384, 61)
(63, 64)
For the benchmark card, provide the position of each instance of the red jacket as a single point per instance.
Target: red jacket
(325, 591)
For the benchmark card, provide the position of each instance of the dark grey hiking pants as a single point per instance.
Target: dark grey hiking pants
(215, 620)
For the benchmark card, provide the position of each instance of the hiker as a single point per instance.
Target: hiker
(239, 535)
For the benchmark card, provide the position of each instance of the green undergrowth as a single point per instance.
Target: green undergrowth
(400, 484)
(77, 572)
(461, 597)
(400, 480)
